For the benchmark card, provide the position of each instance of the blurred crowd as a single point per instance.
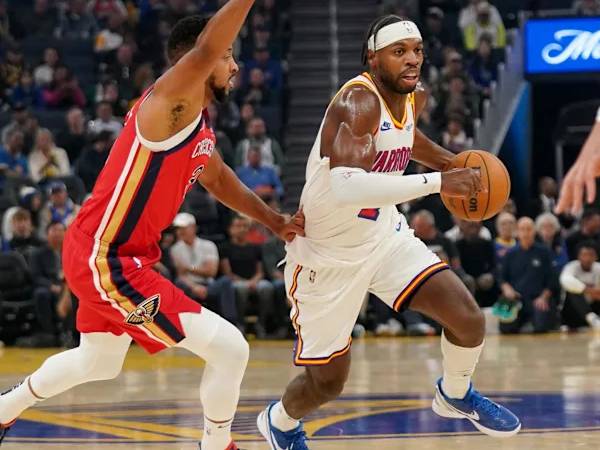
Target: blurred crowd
(69, 72)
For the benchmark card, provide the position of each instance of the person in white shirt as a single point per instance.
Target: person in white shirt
(105, 121)
(197, 264)
(581, 281)
(47, 161)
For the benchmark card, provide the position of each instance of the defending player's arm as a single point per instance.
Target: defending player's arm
(177, 97)
(425, 151)
(221, 181)
(348, 132)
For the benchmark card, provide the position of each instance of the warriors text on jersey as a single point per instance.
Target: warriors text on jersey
(336, 235)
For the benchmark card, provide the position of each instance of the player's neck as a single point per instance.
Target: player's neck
(395, 101)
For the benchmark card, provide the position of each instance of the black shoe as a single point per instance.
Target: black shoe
(4, 429)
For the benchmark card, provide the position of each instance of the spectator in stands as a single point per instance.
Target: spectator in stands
(26, 93)
(485, 23)
(11, 67)
(257, 137)
(242, 262)
(256, 92)
(13, 164)
(586, 7)
(458, 99)
(76, 22)
(527, 277)
(273, 252)
(110, 38)
(197, 263)
(109, 92)
(122, 70)
(47, 161)
(454, 137)
(236, 120)
(224, 145)
(59, 207)
(64, 90)
(105, 120)
(52, 296)
(423, 222)
(478, 260)
(548, 231)
(459, 230)
(263, 180)
(11, 29)
(43, 19)
(104, 9)
(30, 200)
(506, 227)
(581, 281)
(44, 73)
(547, 198)
(589, 230)
(271, 68)
(484, 66)
(23, 239)
(468, 15)
(433, 38)
(92, 159)
(177, 10)
(20, 121)
(73, 136)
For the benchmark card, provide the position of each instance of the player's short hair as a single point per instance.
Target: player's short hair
(183, 36)
(374, 28)
(55, 223)
(21, 214)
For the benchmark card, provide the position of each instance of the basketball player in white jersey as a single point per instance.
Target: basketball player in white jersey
(357, 242)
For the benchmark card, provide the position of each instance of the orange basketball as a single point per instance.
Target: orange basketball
(494, 176)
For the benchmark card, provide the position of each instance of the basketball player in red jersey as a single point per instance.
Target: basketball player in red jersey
(165, 147)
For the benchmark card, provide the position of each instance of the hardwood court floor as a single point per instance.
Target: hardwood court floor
(552, 382)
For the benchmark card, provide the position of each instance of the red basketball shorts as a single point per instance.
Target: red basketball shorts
(120, 294)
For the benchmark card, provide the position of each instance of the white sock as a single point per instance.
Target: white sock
(281, 419)
(14, 402)
(217, 435)
(459, 364)
(226, 352)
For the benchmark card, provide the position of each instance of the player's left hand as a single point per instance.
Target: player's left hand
(291, 226)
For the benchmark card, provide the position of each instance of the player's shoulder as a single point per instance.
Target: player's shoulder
(355, 94)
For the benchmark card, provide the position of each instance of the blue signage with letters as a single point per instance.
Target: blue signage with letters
(565, 45)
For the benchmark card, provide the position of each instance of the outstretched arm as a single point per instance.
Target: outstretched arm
(582, 175)
(177, 97)
(219, 180)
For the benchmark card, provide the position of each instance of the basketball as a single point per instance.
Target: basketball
(494, 177)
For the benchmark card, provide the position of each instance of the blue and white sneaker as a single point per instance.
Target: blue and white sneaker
(280, 440)
(488, 417)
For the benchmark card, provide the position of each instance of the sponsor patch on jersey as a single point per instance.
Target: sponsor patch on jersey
(204, 147)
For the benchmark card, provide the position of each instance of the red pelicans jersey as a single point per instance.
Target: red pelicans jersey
(112, 245)
(143, 184)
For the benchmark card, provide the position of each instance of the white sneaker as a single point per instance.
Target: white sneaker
(593, 321)
(383, 329)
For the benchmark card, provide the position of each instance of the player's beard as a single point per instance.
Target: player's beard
(394, 83)
(220, 94)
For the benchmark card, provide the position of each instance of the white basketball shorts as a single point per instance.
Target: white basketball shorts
(326, 301)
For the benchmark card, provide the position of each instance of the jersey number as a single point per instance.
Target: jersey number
(369, 214)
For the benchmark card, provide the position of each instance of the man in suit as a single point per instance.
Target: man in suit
(52, 296)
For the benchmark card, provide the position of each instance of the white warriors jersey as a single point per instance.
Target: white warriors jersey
(344, 235)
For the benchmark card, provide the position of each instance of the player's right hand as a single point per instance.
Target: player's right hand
(580, 179)
(462, 183)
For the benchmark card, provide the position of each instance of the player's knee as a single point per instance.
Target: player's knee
(240, 350)
(471, 325)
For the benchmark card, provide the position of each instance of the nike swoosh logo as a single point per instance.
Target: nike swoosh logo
(472, 415)
(425, 180)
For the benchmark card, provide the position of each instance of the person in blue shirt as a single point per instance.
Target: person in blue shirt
(13, 163)
(263, 180)
(528, 279)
